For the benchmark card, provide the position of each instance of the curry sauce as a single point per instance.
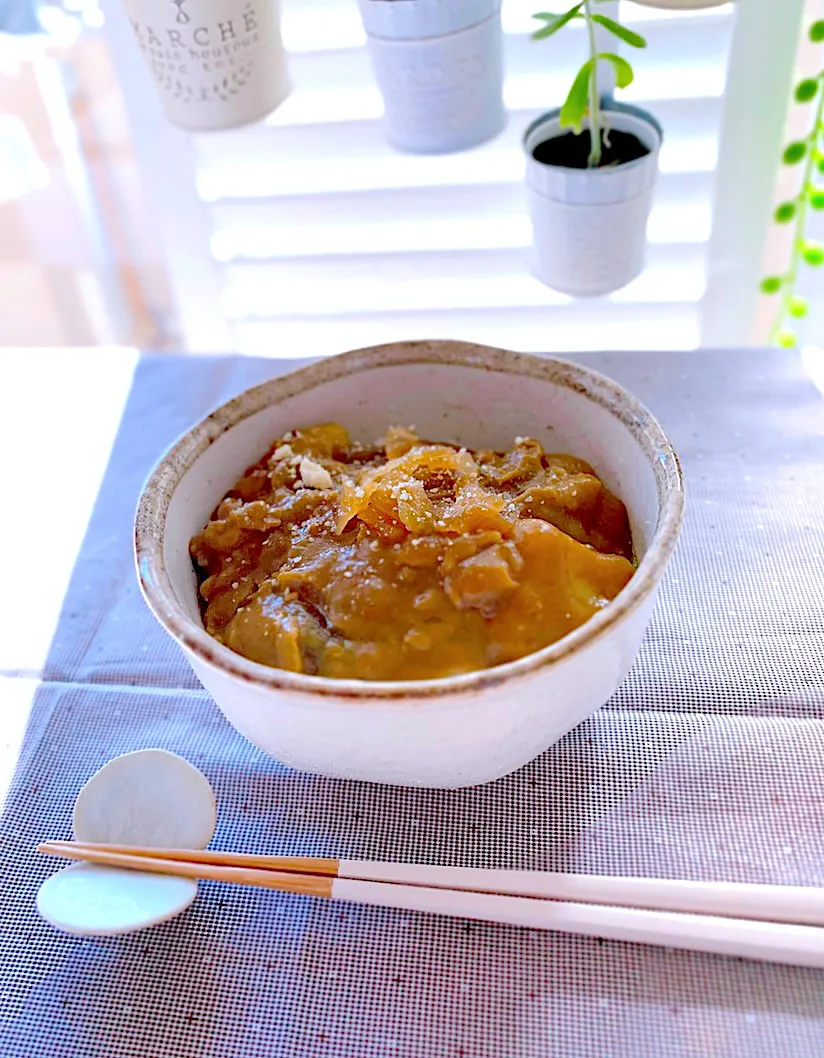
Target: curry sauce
(407, 560)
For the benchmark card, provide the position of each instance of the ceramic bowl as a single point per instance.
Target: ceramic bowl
(451, 732)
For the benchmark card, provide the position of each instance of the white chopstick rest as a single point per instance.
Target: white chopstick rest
(149, 797)
(92, 901)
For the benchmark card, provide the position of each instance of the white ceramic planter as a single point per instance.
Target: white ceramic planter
(589, 226)
(217, 64)
(682, 5)
(439, 67)
(447, 732)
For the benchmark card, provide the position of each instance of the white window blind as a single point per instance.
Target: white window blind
(327, 239)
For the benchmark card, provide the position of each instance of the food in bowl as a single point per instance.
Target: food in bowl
(408, 559)
(460, 730)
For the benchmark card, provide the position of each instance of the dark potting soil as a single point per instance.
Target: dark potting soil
(572, 152)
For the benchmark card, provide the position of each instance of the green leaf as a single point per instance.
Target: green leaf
(786, 339)
(623, 70)
(806, 90)
(816, 198)
(798, 307)
(554, 22)
(627, 35)
(771, 285)
(795, 152)
(785, 212)
(817, 31)
(813, 253)
(821, 165)
(575, 105)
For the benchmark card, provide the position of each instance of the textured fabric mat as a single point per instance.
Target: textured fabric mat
(708, 763)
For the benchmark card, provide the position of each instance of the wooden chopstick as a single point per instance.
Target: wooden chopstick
(798, 945)
(799, 905)
(288, 882)
(299, 864)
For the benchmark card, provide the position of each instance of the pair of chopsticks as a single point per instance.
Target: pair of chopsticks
(767, 922)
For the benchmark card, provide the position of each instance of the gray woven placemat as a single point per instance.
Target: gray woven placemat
(708, 763)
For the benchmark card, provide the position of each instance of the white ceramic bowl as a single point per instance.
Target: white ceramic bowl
(450, 732)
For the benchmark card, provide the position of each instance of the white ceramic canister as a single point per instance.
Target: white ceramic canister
(217, 64)
(589, 226)
(439, 67)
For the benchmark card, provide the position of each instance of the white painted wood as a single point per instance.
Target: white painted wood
(348, 283)
(473, 216)
(761, 61)
(95, 310)
(340, 158)
(573, 328)
(167, 165)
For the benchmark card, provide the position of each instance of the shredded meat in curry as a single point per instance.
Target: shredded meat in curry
(407, 560)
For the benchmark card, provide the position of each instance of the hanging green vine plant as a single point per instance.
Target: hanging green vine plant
(805, 251)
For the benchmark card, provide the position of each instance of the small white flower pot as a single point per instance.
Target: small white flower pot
(589, 226)
(439, 67)
(682, 5)
(217, 64)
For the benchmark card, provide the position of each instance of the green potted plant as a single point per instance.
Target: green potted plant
(591, 169)
(808, 154)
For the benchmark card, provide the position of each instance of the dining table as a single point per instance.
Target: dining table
(707, 764)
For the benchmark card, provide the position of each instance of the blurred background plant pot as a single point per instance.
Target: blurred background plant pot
(681, 5)
(589, 226)
(439, 67)
(217, 64)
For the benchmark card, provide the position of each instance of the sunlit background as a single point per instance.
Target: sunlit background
(307, 235)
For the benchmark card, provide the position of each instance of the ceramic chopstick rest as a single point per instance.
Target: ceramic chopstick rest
(93, 901)
(152, 798)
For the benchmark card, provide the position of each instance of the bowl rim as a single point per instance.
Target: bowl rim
(157, 493)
